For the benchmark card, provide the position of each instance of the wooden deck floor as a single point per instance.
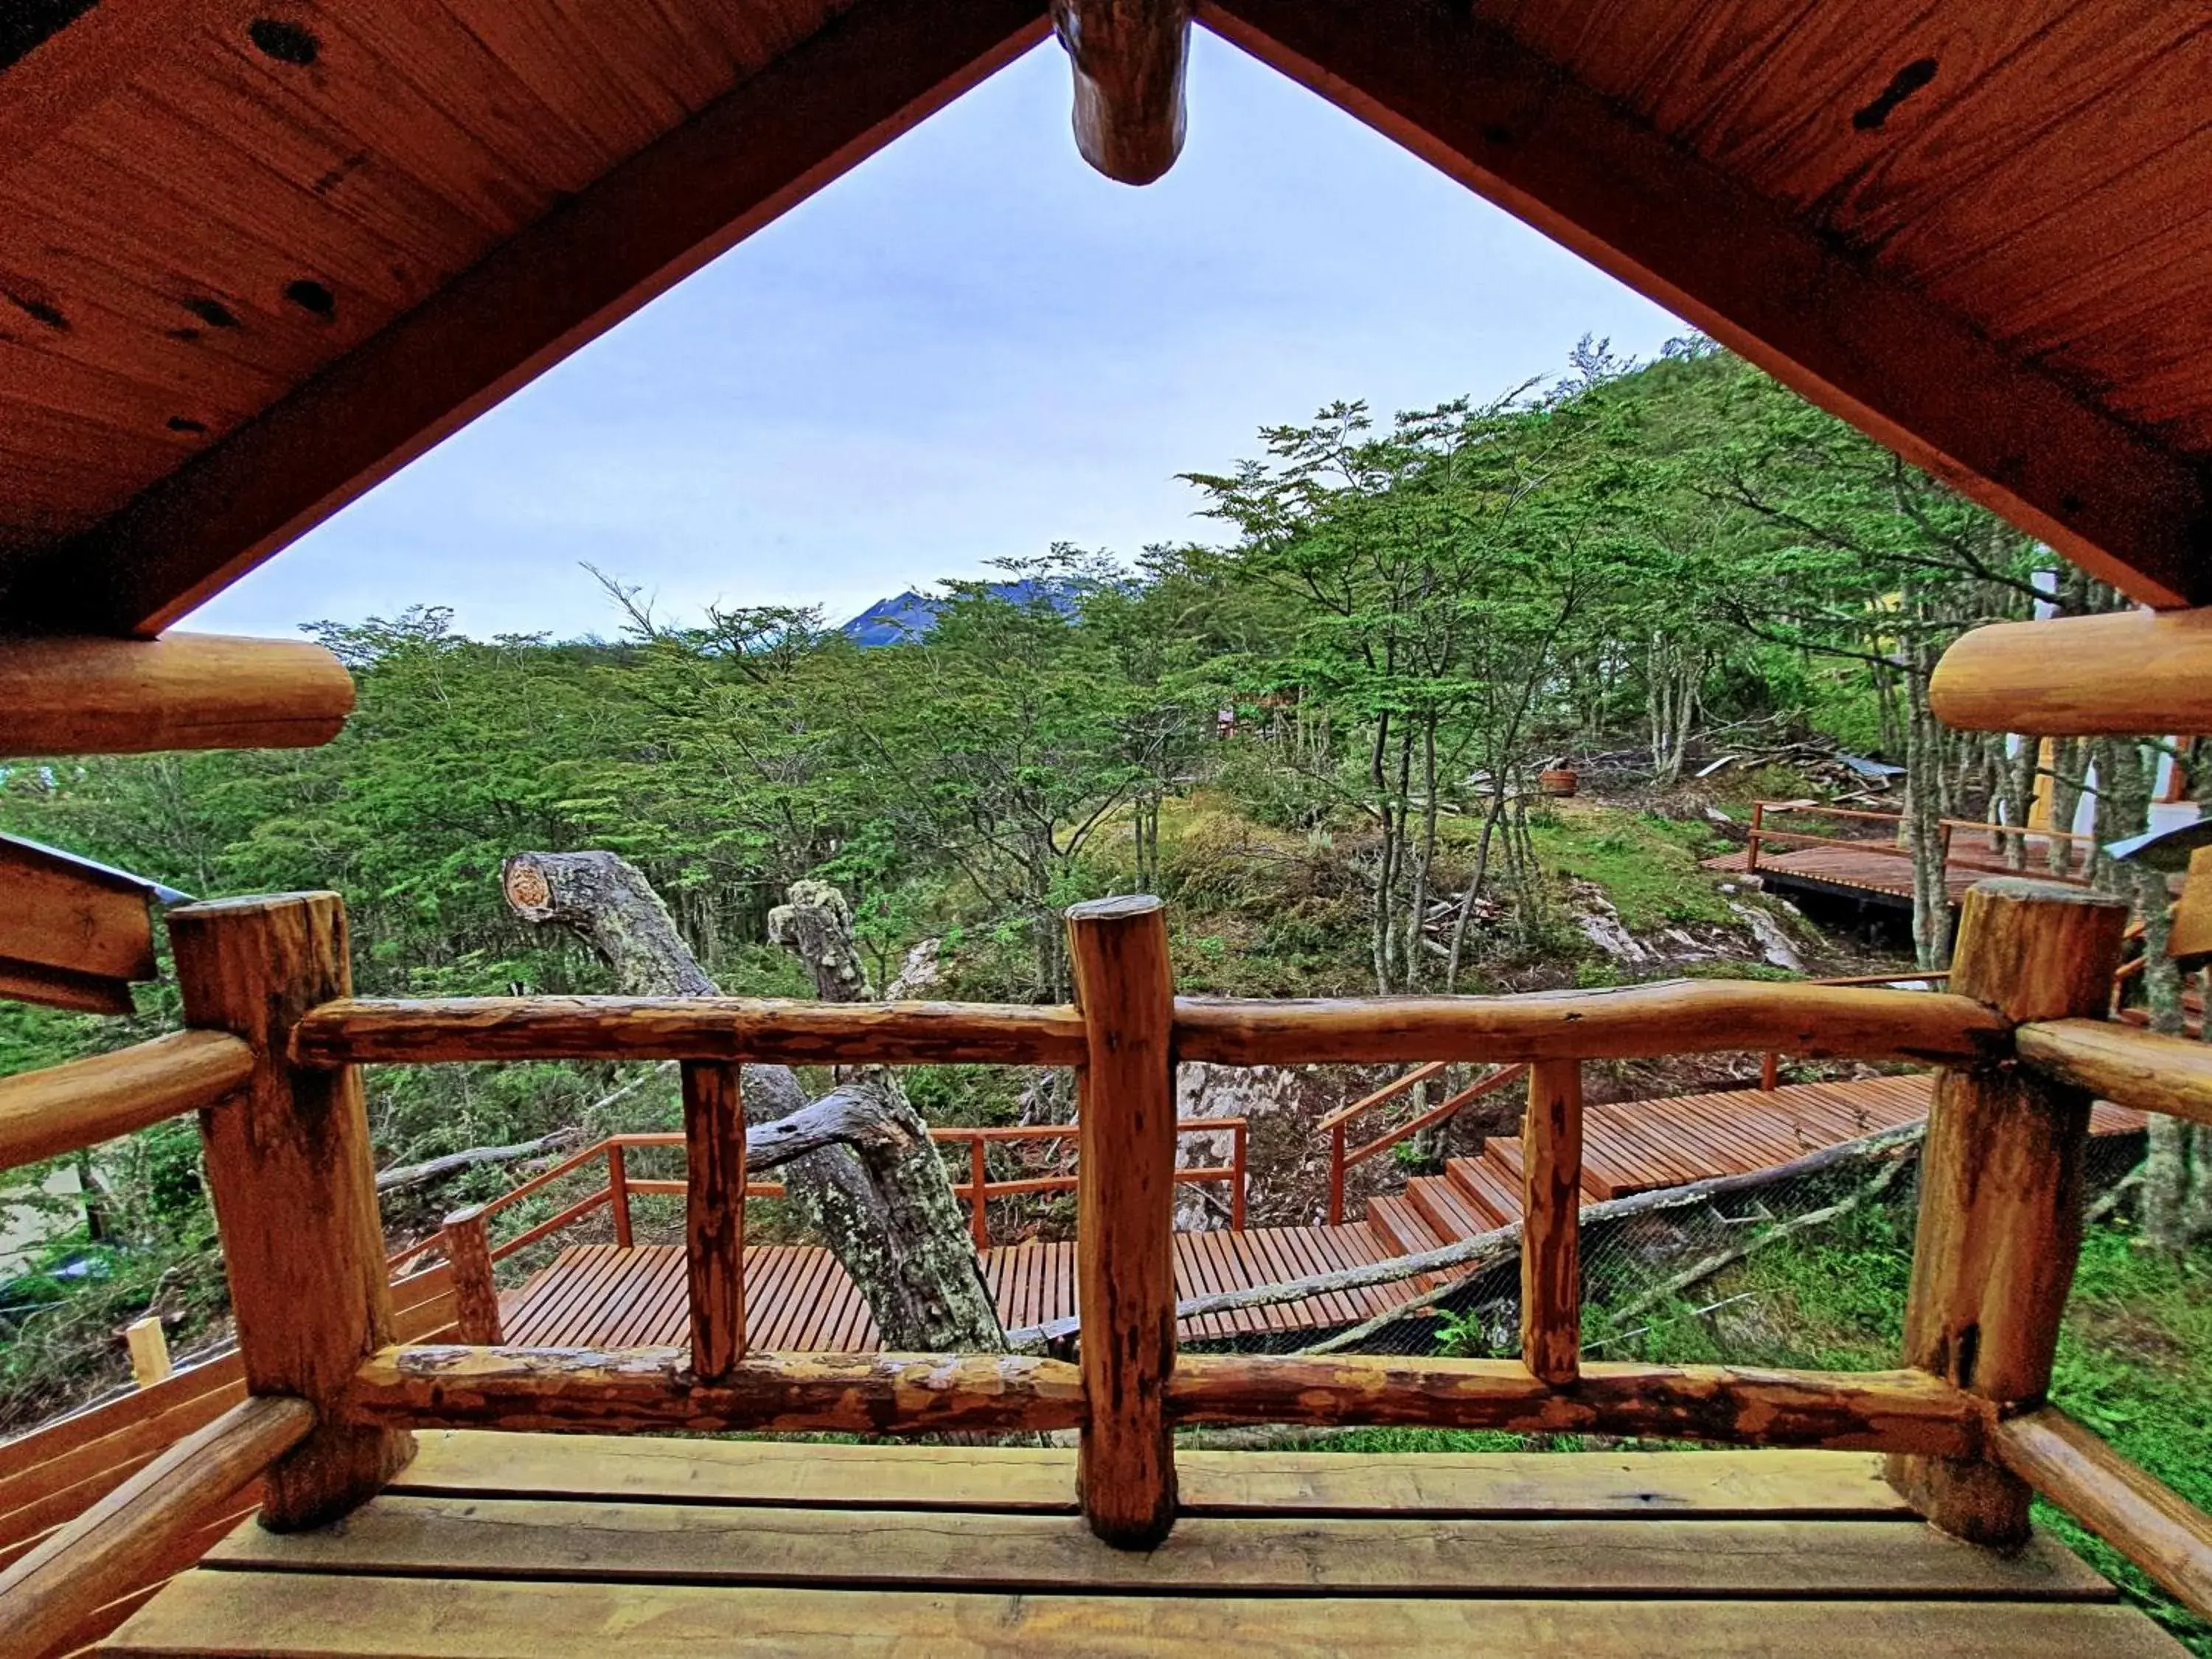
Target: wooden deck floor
(797, 1298)
(543, 1548)
(1844, 870)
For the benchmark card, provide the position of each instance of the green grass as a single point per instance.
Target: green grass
(2134, 1357)
(1646, 863)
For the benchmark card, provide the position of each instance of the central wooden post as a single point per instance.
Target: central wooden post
(1551, 1227)
(2001, 1188)
(1125, 1217)
(715, 1216)
(289, 1170)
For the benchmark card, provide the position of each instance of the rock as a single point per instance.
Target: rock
(1774, 944)
(1601, 924)
(920, 970)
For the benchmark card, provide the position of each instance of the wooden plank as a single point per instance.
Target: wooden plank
(1999, 1219)
(1551, 1203)
(330, 1615)
(294, 1184)
(645, 1543)
(1125, 1214)
(82, 696)
(107, 1551)
(881, 67)
(85, 63)
(1741, 1484)
(714, 1217)
(70, 913)
(81, 1102)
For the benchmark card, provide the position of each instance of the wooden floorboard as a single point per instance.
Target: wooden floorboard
(534, 1546)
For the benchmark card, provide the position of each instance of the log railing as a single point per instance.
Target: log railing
(1342, 1161)
(1770, 1063)
(2020, 1039)
(1761, 832)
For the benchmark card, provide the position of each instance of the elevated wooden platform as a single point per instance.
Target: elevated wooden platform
(797, 1298)
(541, 1547)
(1844, 872)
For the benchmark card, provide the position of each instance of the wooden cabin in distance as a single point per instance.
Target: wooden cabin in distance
(257, 254)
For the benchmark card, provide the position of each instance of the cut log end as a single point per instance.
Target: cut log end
(1129, 58)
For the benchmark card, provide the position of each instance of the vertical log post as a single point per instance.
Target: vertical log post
(618, 1193)
(1750, 843)
(2001, 1188)
(715, 1216)
(978, 1197)
(1336, 1175)
(1551, 1243)
(476, 1296)
(1125, 1215)
(294, 1185)
(1240, 1143)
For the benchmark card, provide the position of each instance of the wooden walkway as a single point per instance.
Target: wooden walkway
(536, 1547)
(797, 1298)
(1844, 872)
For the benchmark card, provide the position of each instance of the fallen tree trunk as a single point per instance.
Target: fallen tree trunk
(858, 1159)
(1475, 1257)
(400, 1176)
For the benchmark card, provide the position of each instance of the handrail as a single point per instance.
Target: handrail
(1770, 1063)
(1990, 1274)
(1632, 1022)
(1341, 1162)
(976, 1192)
(80, 1103)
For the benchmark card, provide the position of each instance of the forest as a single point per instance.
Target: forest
(1317, 733)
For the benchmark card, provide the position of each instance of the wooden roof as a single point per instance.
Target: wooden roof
(254, 257)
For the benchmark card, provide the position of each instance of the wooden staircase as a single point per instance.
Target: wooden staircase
(1641, 1146)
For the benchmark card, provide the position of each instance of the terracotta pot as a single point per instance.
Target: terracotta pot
(1559, 780)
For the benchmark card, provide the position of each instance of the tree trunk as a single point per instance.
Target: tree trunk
(859, 1160)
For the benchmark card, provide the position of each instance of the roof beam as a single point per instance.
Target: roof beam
(881, 67)
(1468, 97)
(92, 58)
(1130, 57)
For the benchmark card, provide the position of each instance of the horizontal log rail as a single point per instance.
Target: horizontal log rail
(2144, 1519)
(1342, 1161)
(590, 1389)
(2125, 1064)
(108, 1550)
(1769, 1064)
(1636, 1022)
(368, 1030)
(80, 1103)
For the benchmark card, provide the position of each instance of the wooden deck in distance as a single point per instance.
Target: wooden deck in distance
(1843, 870)
(543, 1547)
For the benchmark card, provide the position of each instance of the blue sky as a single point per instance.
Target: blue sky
(967, 348)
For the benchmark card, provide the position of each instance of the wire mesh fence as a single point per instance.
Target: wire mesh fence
(1805, 1270)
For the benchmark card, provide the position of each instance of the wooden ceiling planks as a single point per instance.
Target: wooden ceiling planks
(845, 91)
(285, 195)
(1506, 122)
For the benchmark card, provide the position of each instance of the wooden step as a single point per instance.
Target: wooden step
(1503, 1154)
(1485, 1188)
(1401, 1229)
(1445, 1207)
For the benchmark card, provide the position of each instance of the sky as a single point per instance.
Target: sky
(970, 348)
